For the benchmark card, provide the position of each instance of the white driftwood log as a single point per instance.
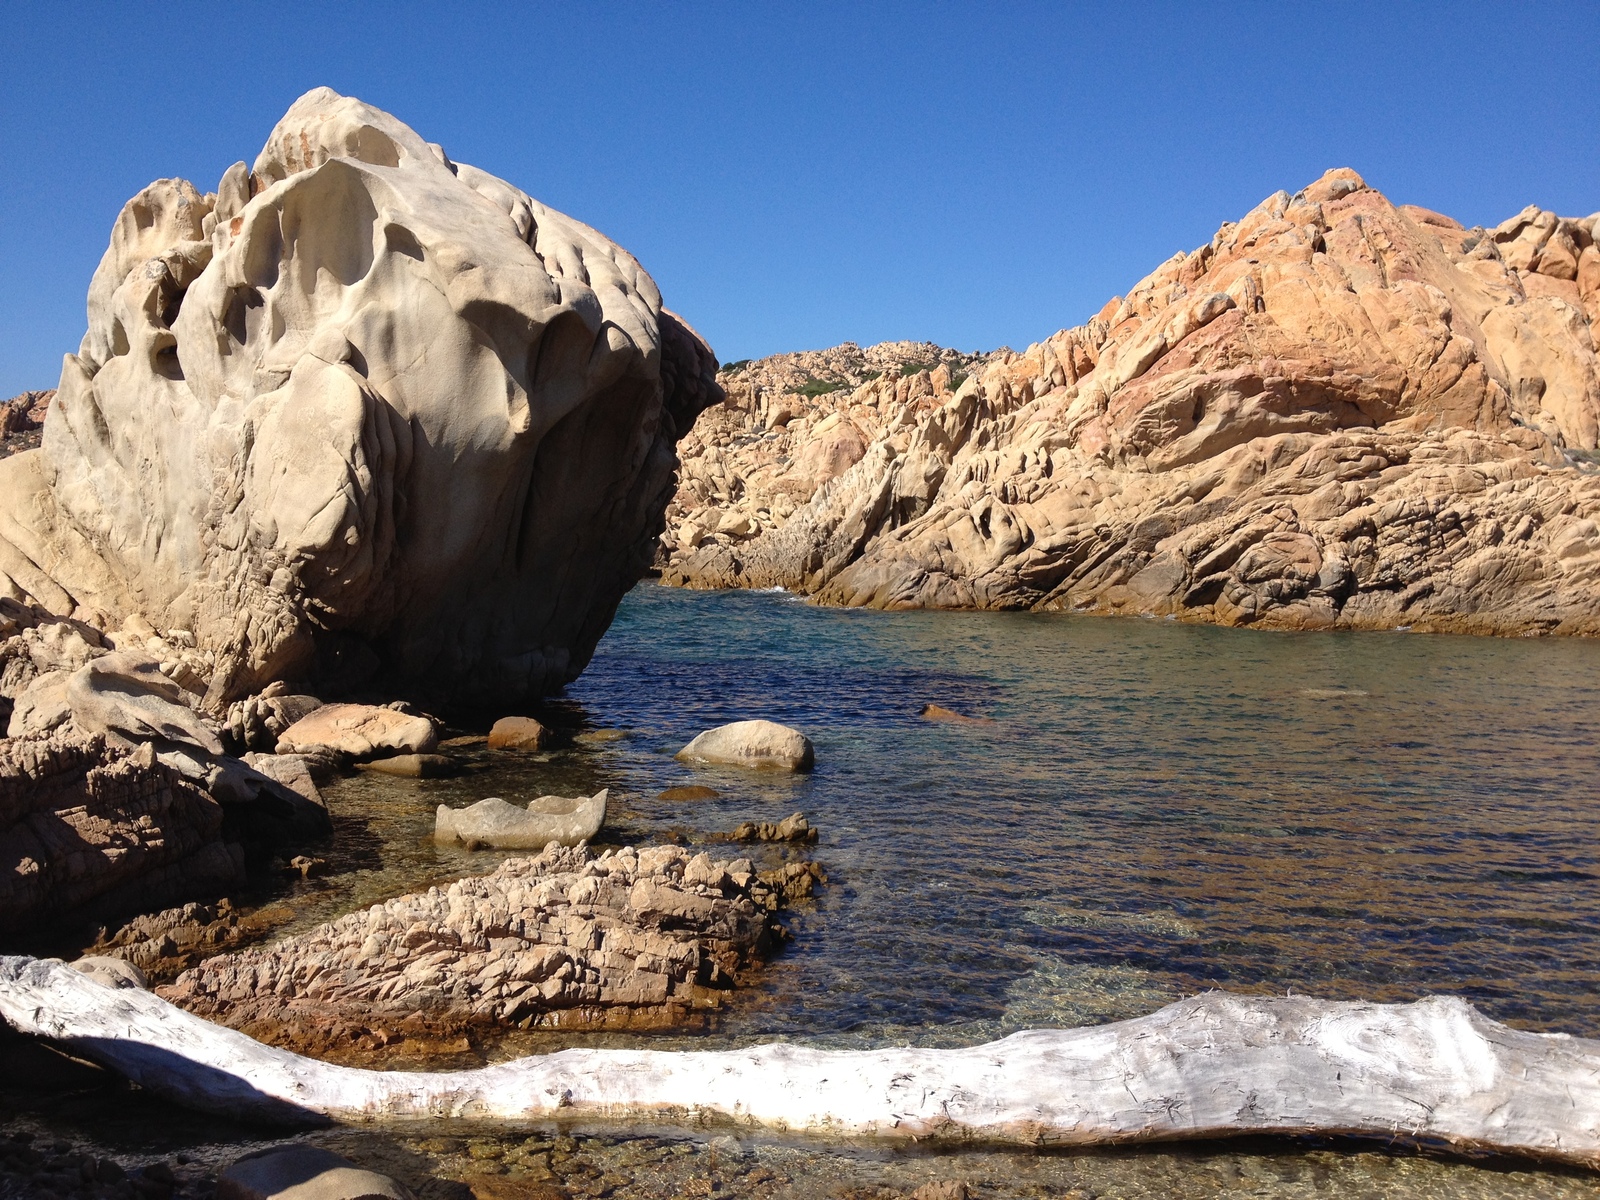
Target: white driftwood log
(1219, 1064)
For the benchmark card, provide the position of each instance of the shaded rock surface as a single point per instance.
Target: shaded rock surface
(86, 828)
(752, 744)
(299, 1171)
(1338, 413)
(628, 939)
(360, 414)
(164, 944)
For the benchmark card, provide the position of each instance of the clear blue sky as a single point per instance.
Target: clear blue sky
(798, 175)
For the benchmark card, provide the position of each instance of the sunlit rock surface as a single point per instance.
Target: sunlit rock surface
(362, 414)
(1340, 412)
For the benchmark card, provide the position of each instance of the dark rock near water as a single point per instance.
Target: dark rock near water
(85, 827)
(793, 828)
(298, 1171)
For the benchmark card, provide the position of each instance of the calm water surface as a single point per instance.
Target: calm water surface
(1156, 809)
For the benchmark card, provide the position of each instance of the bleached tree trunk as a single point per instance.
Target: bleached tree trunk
(1218, 1064)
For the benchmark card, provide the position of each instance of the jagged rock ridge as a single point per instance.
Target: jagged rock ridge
(1340, 412)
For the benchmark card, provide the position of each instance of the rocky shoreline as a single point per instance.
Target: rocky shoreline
(1340, 413)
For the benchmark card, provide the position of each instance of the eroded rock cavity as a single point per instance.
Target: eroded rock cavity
(363, 413)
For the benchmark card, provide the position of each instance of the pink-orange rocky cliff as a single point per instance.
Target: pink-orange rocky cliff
(1338, 413)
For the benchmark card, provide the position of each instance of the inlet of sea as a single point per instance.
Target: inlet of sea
(1148, 809)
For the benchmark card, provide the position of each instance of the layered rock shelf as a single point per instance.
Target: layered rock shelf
(631, 939)
(1338, 413)
(88, 828)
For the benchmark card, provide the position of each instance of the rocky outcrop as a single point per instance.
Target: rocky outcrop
(87, 828)
(361, 414)
(1338, 413)
(629, 939)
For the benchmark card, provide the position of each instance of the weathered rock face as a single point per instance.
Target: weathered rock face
(85, 828)
(631, 939)
(1338, 413)
(361, 411)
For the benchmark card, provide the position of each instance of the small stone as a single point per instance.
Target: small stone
(518, 733)
(752, 744)
(308, 867)
(601, 736)
(113, 972)
(298, 1171)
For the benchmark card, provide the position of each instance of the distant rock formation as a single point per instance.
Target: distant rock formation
(361, 414)
(21, 419)
(1339, 413)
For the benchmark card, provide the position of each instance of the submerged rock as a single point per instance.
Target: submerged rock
(752, 744)
(938, 712)
(361, 414)
(693, 791)
(493, 823)
(413, 766)
(628, 939)
(1339, 413)
(793, 828)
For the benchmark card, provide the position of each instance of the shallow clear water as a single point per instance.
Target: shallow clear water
(1157, 808)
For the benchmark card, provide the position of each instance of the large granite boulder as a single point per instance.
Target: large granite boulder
(363, 414)
(1339, 412)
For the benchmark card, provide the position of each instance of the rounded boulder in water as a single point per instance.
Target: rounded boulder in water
(752, 744)
(518, 733)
